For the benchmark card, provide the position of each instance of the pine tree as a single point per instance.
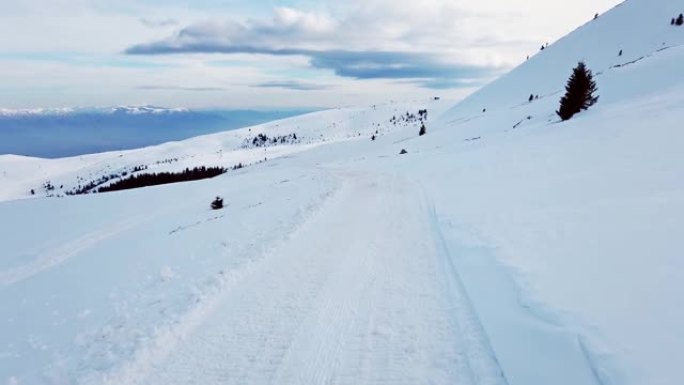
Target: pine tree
(680, 19)
(579, 92)
(422, 130)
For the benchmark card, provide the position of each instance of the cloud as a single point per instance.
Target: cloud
(443, 84)
(293, 85)
(180, 88)
(325, 42)
(392, 65)
(162, 23)
(349, 64)
(458, 44)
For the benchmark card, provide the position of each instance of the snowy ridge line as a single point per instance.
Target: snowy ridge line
(163, 342)
(489, 371)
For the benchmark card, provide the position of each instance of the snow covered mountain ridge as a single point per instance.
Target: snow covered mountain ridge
(502, 247)
(58, 133)
(133, 110)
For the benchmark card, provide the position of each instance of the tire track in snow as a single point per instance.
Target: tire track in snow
(528, 347)
(357, 296)
(482, 361)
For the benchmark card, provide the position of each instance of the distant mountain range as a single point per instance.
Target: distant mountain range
(52, 133)
(127, 110)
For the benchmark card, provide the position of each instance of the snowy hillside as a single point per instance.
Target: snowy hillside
(20, 175)
(504, 247)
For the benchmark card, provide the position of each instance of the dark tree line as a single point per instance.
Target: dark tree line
(155, 179)
(85, 188)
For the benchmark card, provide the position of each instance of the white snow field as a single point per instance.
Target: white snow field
(505, 247)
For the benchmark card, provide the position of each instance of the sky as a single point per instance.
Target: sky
(267, 54)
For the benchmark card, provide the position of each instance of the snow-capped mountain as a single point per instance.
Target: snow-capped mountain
(55, 133)
(137, 110)
(133, 110)
(503, 247)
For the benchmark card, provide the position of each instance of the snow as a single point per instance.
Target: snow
(505, 247)
(343, 290)
(20, 175)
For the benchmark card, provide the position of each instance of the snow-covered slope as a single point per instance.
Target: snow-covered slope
(638, 29)
(505, 247)
(20, 175)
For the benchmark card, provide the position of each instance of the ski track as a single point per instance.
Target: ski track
(373, 305)
(50, 256)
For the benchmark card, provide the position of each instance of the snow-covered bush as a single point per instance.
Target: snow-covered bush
(217, 203)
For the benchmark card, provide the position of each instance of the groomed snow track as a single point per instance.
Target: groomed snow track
(373, 304)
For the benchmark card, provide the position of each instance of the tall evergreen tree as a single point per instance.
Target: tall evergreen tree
(579, 92)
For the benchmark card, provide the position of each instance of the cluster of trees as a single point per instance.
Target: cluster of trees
(679, 21)
(49, 189)
(262, 140)
(154, 179)
(167, 161)
(86, 188)
(409, 118)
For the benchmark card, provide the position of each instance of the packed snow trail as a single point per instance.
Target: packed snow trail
(359, 295)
